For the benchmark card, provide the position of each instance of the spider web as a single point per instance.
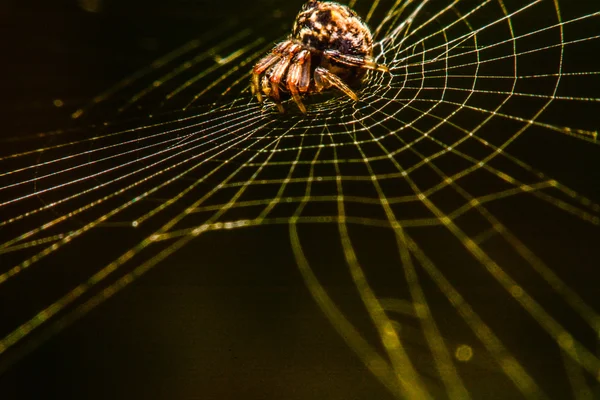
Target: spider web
(444, 224)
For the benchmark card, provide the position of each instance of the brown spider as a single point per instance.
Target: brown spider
(328, 42)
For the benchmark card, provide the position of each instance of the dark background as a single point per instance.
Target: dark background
(220, 319)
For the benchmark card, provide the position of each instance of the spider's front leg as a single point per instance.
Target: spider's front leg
(278, 72)
(325, 79)
(355, 61)
(264, 64)
(298, 77)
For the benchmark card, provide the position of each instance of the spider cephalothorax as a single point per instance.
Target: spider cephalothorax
(329, 46)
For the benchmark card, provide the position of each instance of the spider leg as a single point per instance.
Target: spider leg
(278, 72)
(325, 79)
(265, 85)
(355, 61)
(298, 78)
(258, 69)
(263, 64)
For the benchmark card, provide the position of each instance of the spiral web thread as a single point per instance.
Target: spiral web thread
(424, 154)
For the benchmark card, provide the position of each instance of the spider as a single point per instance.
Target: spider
(328, 42)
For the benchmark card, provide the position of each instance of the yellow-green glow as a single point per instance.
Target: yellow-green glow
(464, 353)
(426, 159)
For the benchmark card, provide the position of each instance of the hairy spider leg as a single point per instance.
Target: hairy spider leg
(325, 79)
(278, 72)
(355, 61)
(265, 85)
(264, 63)
(298, 78)
(259, 68)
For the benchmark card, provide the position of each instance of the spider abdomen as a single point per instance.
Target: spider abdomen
(331, 26)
